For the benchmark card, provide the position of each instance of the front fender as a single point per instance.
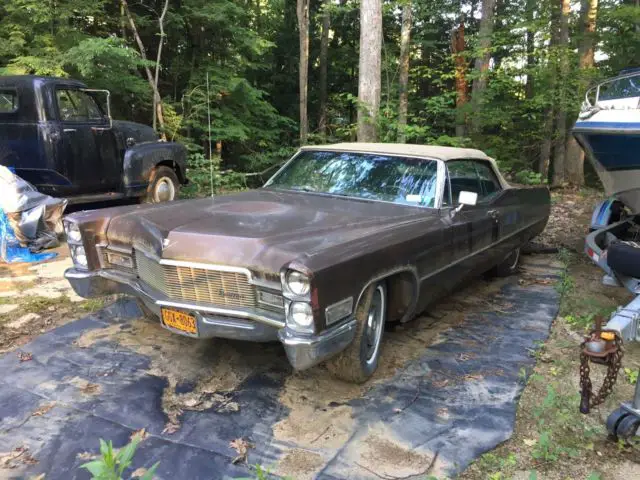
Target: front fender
(142, 158)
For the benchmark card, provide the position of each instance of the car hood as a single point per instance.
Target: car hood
(263, 229)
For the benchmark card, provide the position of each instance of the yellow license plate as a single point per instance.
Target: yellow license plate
(180, 321)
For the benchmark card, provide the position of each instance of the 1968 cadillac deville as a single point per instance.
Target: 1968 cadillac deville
(341, 240)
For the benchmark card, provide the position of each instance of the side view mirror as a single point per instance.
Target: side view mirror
(466, 198)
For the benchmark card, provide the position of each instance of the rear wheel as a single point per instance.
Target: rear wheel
(359, 360)
(509, 265)
(163, 186)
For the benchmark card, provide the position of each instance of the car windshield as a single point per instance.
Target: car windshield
(403, 180)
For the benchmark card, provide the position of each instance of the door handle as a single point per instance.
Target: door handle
(493, 214)
(69, 130)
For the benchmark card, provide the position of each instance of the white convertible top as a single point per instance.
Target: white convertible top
(412, 150)
(429, 151)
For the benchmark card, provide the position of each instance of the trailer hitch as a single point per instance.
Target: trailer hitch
(603, 348)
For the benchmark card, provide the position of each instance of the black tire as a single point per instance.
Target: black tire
(359, 360)
(164, 185)
(624, 259)
(509, 265)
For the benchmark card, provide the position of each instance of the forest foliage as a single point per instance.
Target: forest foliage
(229, 71)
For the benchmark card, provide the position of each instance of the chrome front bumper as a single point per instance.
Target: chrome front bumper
(302, 351)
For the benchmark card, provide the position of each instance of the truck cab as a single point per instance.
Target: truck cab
(59, 135)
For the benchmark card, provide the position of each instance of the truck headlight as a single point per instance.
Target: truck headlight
(300, 317)
(78, 255)
(73, 232)
(298, 283)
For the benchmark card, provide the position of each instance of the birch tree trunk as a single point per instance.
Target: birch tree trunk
(158, 116)
(323, 61)
(370, 64)
(403, 81)
(560, 138)
(483, 58)
(462, 89)
(575, 154)
(302, 11)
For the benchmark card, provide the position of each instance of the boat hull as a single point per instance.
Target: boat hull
(611, 142)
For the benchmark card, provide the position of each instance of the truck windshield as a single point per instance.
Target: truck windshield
(403, 180)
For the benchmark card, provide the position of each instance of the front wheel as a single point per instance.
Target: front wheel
(163, 186)
(509, 265)
(359, 360)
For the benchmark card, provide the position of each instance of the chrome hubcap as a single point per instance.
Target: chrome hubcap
(165, 190)
(513, 258)
(375, 325)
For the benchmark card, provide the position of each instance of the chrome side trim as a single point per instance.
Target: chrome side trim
(223, 311)
(483, 249)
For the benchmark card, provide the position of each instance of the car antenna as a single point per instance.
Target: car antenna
(209, 127)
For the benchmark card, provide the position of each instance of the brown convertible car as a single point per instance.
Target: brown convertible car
(341, 240)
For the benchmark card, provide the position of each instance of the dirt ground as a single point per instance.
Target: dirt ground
(35, 298)
(551, 437)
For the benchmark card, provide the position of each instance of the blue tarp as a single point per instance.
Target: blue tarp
(10, 249)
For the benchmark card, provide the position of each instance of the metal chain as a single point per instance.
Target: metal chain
(613, 362)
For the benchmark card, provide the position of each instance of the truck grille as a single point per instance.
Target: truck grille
(201, 285)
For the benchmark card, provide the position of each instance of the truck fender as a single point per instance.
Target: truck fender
(142, 158)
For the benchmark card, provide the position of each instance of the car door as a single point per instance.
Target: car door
(88, 146)
(474, 228)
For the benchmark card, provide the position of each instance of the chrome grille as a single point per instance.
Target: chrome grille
(201, 285)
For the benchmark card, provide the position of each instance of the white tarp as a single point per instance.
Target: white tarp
(34, 217)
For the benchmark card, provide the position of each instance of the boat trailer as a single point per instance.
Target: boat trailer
(604, 345)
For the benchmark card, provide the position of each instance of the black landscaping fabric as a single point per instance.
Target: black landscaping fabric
(457, 400)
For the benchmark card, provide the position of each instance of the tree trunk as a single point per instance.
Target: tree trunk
(158, 116)
(559, 148)
(483, 58)
(323, 60)
(530, 47)
(405, 49)
(370, 64)
(575, 154)
(302, 11)
(462, 89)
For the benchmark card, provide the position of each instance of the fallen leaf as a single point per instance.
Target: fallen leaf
(529, 442)
(171, 428)
(86, 456)
(241, 446)
(24, 356)
(139, 434)
(139, 472)
(43, 409)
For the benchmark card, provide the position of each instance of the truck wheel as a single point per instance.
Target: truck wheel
(163, 186)
(359, 360)
(509, 265)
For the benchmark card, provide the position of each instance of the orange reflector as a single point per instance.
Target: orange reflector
(608, 336)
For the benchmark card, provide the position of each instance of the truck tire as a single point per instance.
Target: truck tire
(509, 265)
(359, 360)
(163, 185)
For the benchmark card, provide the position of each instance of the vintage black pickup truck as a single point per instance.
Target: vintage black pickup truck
(59, 136)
